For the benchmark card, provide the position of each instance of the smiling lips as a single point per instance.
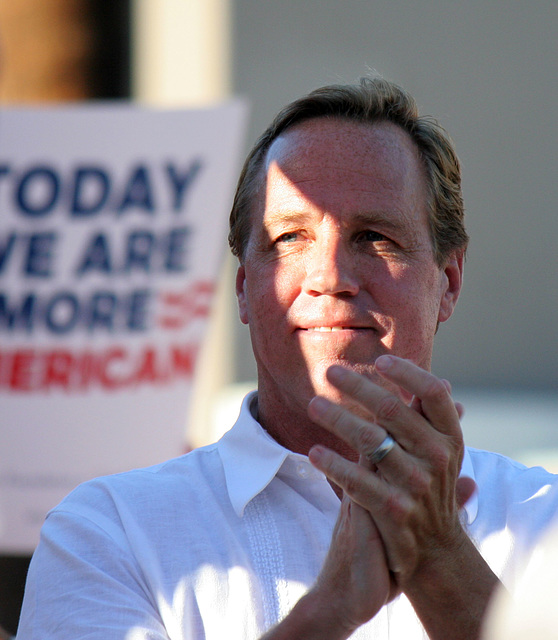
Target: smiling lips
(332, 329)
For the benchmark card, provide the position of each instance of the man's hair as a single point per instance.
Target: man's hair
(372, 101)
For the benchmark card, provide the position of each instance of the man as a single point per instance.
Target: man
(342, 503)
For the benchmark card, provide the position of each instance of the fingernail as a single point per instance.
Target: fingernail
(318, 405)
(315, 454)
(383, 363)
(336, 372)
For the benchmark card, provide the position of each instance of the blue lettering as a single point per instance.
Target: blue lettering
(97, 256)
(176, 249)
(6, 249)
(21, 318)
(139, 251)
(181, 183)
(39, 254)
(62, 313)
(137, 310)
(101, 312)
(4, 170)
(137, 193)
(90, 191)
(38, 191)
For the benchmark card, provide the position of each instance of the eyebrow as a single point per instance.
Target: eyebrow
(382, 220)
(278, 217)
(364, 216)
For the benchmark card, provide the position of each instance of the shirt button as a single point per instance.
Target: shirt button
(303, 470)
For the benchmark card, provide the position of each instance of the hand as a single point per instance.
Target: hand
(413, 496)
(353, 585)
(355, 580)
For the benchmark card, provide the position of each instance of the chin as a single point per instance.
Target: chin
(321, 386)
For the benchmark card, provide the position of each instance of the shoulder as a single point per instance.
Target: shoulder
(513, 494)
(491, 468)
(148, 493)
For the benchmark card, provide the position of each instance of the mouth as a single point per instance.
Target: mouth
(327, 329)
(334, 329)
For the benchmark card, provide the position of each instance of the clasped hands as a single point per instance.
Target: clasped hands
(398, 518)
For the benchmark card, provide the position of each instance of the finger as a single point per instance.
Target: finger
(416, 403)
(365, 488)
(355, 569)
(436, 402)
(361, 435)
(389, 507)
(458, 406)
(464, 489)
(383, 500)
(419, 443)
(398, 467)
(409, 428)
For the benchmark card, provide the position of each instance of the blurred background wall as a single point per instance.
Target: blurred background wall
(488, 71)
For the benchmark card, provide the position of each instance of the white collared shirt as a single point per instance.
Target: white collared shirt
(222, 542)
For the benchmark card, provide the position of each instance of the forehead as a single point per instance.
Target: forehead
(341, 135)
(340, 164)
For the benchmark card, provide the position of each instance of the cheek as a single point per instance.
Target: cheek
(279, 284)
(269, 293)
(410, 295)
(393, 284)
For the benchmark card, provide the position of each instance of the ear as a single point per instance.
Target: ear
(452, 279)
(241, 294)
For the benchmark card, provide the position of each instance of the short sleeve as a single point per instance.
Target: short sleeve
(85, 584)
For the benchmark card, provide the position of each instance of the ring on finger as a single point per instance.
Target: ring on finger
(381, 451)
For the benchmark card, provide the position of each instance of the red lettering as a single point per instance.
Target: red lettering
(184, 359)
(114, 368)
(58, 367)
(21, 378)
(181, 308)
(147, 371)
(106, 379)
(86, 369)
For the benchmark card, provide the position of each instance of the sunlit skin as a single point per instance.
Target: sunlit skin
(338, 269)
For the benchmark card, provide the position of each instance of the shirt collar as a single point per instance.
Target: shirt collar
(252, 458)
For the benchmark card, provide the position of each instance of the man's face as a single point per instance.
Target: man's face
(339, 266)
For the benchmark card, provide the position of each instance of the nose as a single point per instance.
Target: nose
(331, 270)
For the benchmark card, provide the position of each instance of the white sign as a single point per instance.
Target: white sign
(113, 223)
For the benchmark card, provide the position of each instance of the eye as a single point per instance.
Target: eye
(370, 236)
(290, 236)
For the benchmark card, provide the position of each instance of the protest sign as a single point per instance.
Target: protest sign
(113, 222)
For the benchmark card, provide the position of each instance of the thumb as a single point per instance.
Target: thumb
(464, 489)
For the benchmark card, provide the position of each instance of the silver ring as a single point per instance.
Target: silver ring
(381, 452)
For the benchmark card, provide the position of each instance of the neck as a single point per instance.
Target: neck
(292, 428)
